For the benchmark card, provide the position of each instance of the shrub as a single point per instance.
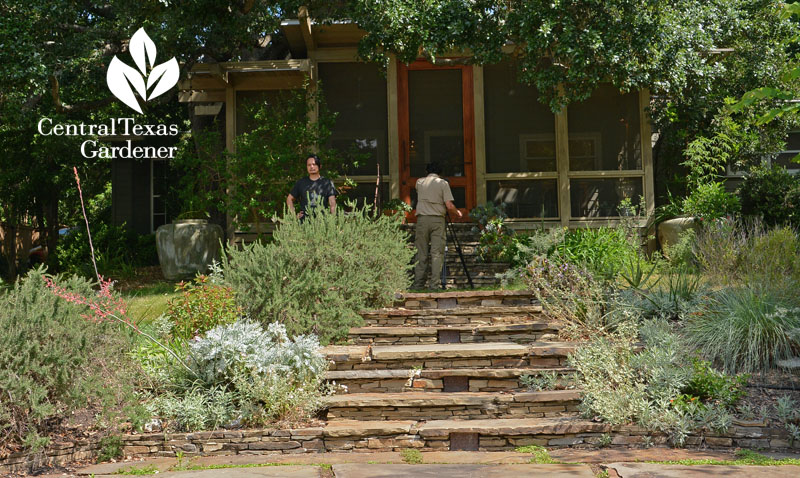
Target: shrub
(110, 448)
(710, 201)
(542, 242)
(771, 256)
(718, 248)
(603, 250)
(274, 377)
(117, 250)
(763, 194)
(708, 384)
(317, 275)
(44, 346)
(197, 409)
(200, 307)
(747, 329)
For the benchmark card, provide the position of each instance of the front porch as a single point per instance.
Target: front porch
(493, 137)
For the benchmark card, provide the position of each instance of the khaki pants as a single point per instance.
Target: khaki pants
(430, 229)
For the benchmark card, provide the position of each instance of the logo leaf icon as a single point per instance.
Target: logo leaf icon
(141, 45)
(168, 72)
(120, 77)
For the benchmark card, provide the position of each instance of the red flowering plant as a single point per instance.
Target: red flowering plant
(104, 305)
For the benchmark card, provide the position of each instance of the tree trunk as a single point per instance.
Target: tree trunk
(50, 227)
(10, 250)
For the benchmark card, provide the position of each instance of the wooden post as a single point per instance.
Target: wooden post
(480, 135)
(647, 152)
(393, 134)
(230, 145)
(562, 160)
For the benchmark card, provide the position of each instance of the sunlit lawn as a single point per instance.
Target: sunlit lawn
(148, 302)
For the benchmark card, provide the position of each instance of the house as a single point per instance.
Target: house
(494, 139)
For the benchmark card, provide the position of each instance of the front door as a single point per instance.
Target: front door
(435, 106)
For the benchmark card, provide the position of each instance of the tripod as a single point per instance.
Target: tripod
(452, 230)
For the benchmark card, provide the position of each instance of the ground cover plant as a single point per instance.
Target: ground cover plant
(315, 276)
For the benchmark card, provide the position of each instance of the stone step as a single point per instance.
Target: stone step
(459, 405)
(447, 356)
(467, 298)
(392, 317)
(516, 333)
(433, 381)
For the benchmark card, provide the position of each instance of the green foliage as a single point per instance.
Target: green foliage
(710, 201)
(139, 470)
(316, 276)
(603, 251)
(195, 409)
(546, 380)
(764, 194)
(412, 456)
(540, 454)
(708, 384)
(201, 306)
(747, 329)
(251, 184)
(110, 448)
(44, 346)
(117, 250)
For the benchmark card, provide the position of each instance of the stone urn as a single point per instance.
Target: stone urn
(669, 231)
(187, 247)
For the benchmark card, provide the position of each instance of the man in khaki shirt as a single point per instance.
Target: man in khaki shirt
(434, 198)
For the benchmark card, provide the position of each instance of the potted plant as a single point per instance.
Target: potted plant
(397, 207)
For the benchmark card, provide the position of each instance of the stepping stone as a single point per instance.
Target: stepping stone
(461, 471)
(652, 470)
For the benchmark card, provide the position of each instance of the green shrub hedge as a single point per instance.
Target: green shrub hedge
(315, 276)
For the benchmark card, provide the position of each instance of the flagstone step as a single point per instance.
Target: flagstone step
(488, 315)
(460, 405)
(446, 380)
(517, 333)
(447, 356)
(467, 298)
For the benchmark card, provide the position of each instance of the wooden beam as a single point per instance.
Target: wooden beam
(562, 160)
(305, 29)
(480, 135)
(209, 96)
(330, 55)
(647, 152)
(276, 81)
(393, 132)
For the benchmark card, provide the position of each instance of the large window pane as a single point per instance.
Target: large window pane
(604, 132)
(520, 131)
(602, 197)
(436, 127)
(357, 93)
(525, 198)
(792, 149)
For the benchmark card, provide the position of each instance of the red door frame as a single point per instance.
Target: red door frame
(468, 118)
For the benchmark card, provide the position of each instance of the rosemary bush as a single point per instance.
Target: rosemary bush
(317, 275)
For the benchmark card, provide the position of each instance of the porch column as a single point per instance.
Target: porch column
(393, 135)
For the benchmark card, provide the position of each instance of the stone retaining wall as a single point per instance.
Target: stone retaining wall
(508, 409)
(753, 435)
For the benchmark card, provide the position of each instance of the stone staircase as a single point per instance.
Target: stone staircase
(443, 371)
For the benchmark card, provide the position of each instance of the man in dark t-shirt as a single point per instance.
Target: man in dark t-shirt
(313, 190)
